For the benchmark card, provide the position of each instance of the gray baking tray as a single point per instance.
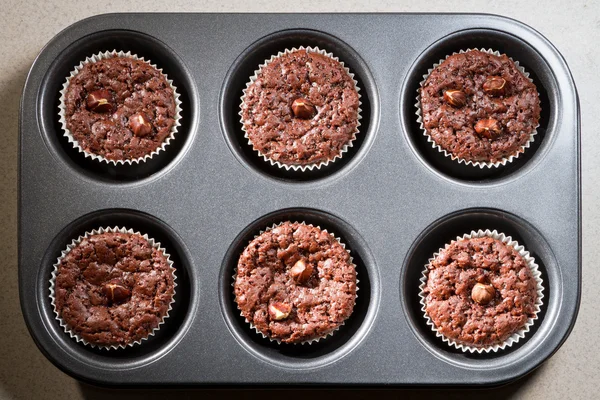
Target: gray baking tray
(392, 199)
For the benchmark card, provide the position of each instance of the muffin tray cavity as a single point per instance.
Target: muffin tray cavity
(392, 199)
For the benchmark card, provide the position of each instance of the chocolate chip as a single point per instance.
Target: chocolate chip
(279, 311)
(301, 272)
(99, 101)
(495, 86)
(455, 98)
(116, 292)
(489, 128)
(303, 109)
(140, 125)
(482, 293)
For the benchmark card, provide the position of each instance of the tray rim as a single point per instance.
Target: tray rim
(98, 18)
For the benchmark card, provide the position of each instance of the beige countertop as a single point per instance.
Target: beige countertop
(26, 26)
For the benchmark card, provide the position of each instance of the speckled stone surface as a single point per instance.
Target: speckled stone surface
(27, 26)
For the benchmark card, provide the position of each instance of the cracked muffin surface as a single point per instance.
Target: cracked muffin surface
(479, 106)
(119, 108)
(327, 122)
(113, 289)
(462, 312)
(295, 283)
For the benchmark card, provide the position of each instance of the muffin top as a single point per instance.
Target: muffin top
(479, 292)
(302, 109)
(113, 289)
(295, 283)
(119, 108)
(479, 107)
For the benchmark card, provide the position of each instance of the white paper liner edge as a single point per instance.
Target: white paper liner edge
(434, 145)
(63, 119)
(301, 167)
(310, 341)
(514, 338)
(73, 244)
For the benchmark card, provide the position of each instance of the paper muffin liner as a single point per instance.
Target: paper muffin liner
(310, 341)
(63, 119)
(302, 167)
(77, 241)
(515, 337)
(480, 164)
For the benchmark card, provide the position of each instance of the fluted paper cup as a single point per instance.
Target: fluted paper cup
(310, 341)
(481, 164)
(515, 337)
(88, 154)
(68, 329)
(301, 167)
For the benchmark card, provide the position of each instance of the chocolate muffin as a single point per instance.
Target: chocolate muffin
(119, 108)
(301, 108)
(479, 107)
(113, 289)
(295, 283)
(480, 291)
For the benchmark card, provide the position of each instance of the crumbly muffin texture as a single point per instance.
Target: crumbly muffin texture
(268, 116)
(312, 308)
(450, 281)
(113, 289)
(515, 109)
(133, 88)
